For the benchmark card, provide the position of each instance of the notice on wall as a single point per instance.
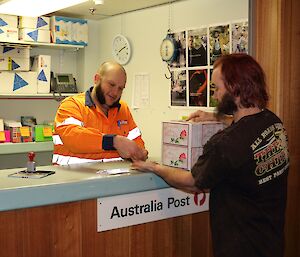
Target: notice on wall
(141, 92)
(138, 208)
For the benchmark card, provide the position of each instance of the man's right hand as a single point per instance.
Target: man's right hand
(128, 149)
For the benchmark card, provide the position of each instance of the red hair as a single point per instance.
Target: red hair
(243, 77)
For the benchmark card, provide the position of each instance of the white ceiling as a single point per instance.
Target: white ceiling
(109, 8)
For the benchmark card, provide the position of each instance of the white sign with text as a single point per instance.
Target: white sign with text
(137, 208)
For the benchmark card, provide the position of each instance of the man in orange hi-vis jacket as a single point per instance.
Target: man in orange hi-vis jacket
(97, 125)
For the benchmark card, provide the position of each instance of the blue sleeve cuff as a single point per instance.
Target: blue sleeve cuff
(108, 142)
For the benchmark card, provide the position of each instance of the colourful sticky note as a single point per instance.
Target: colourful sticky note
(47, 131)
(2, 136)
(25, 131)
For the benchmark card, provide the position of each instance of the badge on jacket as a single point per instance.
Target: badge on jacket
(122, 122)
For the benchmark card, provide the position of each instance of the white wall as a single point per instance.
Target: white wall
(145, 30)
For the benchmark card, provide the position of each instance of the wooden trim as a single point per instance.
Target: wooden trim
(276, 47)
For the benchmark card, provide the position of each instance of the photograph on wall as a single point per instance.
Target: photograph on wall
(198, 87)
(212, 88)
(240, 37)
(197, 47)
(219, 42)
(180, 57)
(178, 88)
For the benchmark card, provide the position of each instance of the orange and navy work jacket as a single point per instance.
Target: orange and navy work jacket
(83, 133)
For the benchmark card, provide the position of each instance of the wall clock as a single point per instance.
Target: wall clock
(168, 49)
(121, 49)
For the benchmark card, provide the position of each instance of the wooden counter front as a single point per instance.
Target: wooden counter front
(70, 230)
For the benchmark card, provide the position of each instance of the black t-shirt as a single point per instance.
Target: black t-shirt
(245, 167)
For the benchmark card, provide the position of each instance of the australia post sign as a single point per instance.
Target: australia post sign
(137, 208)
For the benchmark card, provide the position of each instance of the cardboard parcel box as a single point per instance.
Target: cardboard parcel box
(180, 156)
(41, 22)
(8, 20)
(14, 63)
(183, 141)
(65, 30)
(42, 66)
(193, 134)
(18, 82)
(9, 34)
(18, 52)
(34, 35)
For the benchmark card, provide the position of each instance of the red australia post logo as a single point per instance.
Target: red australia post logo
(199, 198)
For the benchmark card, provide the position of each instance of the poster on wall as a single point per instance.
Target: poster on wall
(178, 88)
(219, 42)
(180, 41)
(198, 49)
(240, 37)
(212, 89)
(198, 87)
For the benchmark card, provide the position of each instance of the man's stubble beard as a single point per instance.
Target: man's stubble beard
(226, 106)
(101, 98)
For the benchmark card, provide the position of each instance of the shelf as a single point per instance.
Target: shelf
(35, 96)
(12, 148)
(38, 44)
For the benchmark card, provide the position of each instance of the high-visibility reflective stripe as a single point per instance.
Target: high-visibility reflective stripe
(134, 133)
(70, 121)
(56, 140)
(66, 160)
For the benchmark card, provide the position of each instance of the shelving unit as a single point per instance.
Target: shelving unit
(20, 43)
(13, 148)
(35, 96)
(12, 154)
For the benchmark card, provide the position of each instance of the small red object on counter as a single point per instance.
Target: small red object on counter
(31, 162)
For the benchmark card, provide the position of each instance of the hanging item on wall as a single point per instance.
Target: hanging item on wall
(169, 49)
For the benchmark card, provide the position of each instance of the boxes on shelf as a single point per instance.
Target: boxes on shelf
(183, 141)
(41, 22)
(4, 136)
(42, 66)
(30, 122)
(43, 133)
(18, 82)
(19, 52)
(18, 133)
(8, 20)
(34, 35)
(9, 34)
(27, 134)
(65, 30)
(14, 63)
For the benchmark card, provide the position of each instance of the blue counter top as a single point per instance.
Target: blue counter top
(73, 183)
